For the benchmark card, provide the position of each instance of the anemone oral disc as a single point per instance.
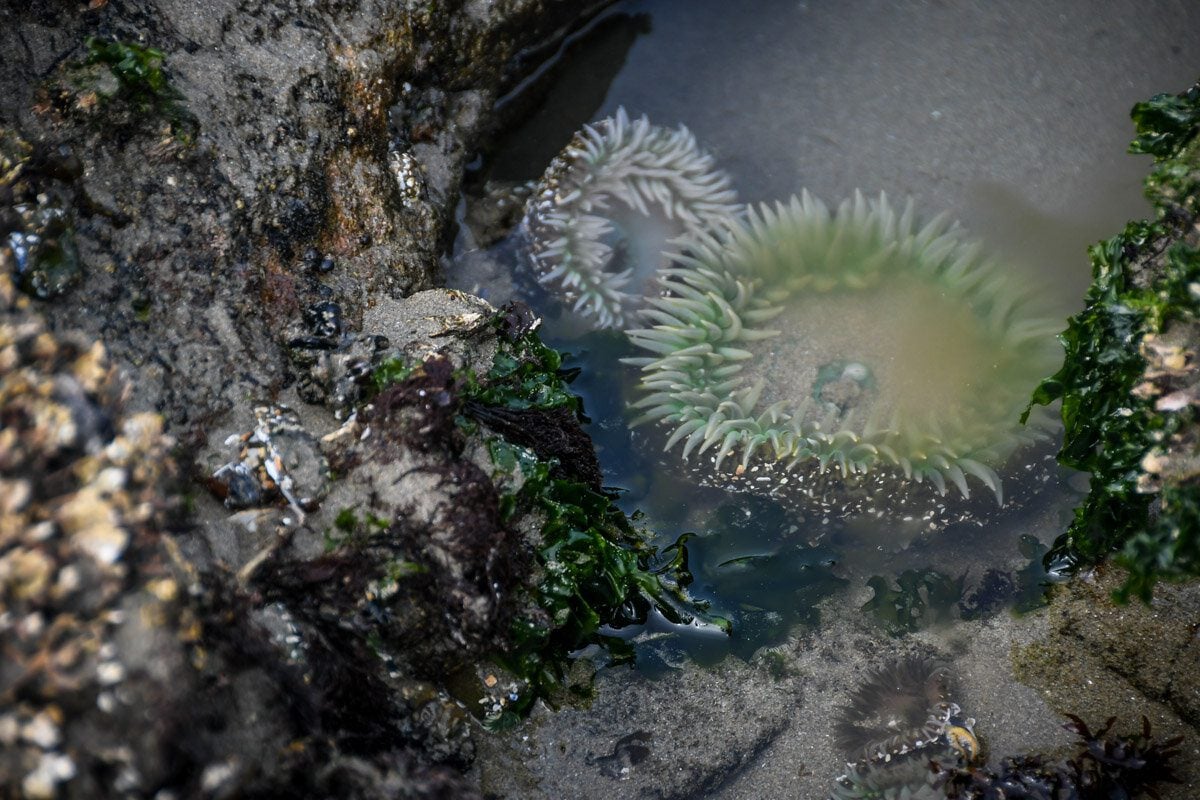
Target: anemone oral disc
(874, 317)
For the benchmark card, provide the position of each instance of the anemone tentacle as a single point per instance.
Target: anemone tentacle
(898, 721)
(901, 706)
(716, 330)
(619, 180)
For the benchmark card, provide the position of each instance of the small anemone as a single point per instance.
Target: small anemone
(910, 779)
(907, 353)
(611, 204)
(901, 707)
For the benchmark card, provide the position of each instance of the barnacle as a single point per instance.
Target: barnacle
(860, 345)
(86, 580)
(608, 207)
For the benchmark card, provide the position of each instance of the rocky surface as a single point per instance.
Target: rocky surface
(230, 565)
(207, 202)
(1127, 661)
(313, 154)
(129, 667)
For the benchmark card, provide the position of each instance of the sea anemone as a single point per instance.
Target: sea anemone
(610, 205)
(901, 707)
(900, 729)
(911, 780)
(908, 355)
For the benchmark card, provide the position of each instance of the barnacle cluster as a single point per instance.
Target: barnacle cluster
(610, 205)
(278, 460)
(37, 241)
(907, 359)
(84, 582)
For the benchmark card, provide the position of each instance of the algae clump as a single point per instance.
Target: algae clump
(592, 568)
(1128, 383)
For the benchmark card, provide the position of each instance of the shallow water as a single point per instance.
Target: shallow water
(1011, 115)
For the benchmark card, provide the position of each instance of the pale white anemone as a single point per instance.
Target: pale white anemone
(863, 348)
(620, 195)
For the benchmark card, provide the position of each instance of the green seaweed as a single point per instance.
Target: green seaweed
(349, 529)
(138, 70)
(595, 569)
(526, 374)
(390, 371)
(1142, 280)
(133, 75)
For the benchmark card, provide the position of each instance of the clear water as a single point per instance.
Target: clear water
(1011, 115)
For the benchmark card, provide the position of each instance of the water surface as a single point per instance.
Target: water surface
(1011, 115)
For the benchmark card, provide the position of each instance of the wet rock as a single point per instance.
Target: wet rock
(1100, 659)
(195, 234)
(451, 322)
(1137, 641)
(406, 465)
(104, 617)
(195, 239)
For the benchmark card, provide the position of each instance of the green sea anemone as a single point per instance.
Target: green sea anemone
(864, 348)
(611, 204)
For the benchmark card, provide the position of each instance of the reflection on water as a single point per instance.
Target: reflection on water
(557, 101)
(961, 105)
